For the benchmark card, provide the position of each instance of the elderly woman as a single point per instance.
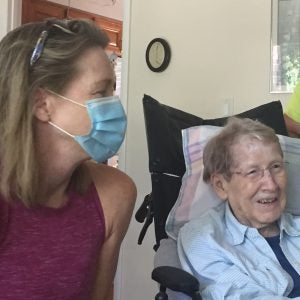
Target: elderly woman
(247, 247)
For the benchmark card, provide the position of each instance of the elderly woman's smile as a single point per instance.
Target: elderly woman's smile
(256, 190)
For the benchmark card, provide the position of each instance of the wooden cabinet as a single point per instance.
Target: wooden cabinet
(38, 10)
(113, 28)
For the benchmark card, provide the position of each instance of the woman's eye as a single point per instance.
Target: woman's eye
(252, 173)
(276, 167)
(99, 94)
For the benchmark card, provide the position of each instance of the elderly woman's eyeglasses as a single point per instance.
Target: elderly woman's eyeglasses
(276, 169)
(40, 44)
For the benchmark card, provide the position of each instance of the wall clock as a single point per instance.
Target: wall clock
(158, 55)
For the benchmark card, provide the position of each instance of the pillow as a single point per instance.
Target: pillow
(164, 124)
(196, 196)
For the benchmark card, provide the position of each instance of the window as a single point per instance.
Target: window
(285, 45)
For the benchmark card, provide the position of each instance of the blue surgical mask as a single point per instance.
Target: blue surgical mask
(108, 126)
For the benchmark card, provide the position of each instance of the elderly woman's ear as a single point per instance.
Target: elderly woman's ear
(219, 184)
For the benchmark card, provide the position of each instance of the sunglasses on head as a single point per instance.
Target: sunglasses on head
(40, 44)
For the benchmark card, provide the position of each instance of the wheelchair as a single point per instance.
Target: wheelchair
(166, 165)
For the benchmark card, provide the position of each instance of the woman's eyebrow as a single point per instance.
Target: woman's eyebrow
(103, 83)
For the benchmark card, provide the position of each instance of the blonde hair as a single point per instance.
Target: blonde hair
(19, 81)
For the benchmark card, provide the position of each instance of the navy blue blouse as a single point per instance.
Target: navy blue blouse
(274, 243)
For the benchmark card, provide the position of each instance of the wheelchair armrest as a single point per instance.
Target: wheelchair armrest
(177, 280)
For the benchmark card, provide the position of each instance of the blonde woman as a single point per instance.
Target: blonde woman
(63, 213)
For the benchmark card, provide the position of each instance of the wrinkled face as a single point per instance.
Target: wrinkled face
(256, 202)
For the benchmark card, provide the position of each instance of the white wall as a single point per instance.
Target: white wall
(4, 18)
(220, 49)
(10, 15)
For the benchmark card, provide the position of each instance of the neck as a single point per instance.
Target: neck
(270, 230)
(58, 159)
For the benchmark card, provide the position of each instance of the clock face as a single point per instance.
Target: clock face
(158, 55)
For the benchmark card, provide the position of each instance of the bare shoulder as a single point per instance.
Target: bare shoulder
(117, 194)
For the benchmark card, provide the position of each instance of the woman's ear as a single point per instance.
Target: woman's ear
(219, 184)
(41, 108)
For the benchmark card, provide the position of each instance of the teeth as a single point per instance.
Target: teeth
(266, 201)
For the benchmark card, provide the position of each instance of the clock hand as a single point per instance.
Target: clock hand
(157, 52)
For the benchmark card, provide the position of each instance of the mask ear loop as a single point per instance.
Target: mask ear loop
(65, 98)
(57, 127)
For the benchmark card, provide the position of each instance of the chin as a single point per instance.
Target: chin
(270, 218)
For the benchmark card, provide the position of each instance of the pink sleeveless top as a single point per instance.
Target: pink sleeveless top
(50, 254)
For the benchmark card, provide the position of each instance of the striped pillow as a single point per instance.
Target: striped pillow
(196, 196)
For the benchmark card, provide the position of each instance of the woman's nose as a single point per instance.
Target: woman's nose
(268, 180)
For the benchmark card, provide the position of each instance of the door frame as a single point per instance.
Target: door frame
(120, 274)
